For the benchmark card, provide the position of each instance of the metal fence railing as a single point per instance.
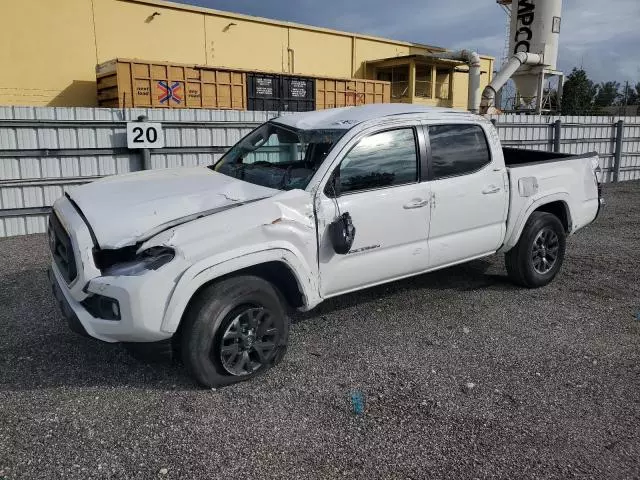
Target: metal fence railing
(47, 151)
(616, 139)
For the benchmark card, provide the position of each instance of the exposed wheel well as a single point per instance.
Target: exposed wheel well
(560, 210)
(277, 273)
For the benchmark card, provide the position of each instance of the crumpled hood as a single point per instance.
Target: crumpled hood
(126, 209)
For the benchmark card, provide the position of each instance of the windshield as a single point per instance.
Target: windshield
(275, 156)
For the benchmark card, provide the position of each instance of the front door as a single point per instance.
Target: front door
(379, 186)
(469, 198)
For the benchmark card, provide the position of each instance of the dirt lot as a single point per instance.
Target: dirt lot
(463, 376)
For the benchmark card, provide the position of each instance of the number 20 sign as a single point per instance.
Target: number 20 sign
(144, 135)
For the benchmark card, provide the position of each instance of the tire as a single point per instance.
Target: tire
(240, 320)
(537, 257)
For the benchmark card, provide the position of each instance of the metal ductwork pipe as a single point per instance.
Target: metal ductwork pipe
(515, 62)
(473, 60)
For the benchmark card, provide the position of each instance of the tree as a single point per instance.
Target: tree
(608, 93)
(579, 94)
(630, 95)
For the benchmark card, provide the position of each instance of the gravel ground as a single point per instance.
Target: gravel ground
(462, 374)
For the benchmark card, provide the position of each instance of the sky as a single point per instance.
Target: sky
(602, 36)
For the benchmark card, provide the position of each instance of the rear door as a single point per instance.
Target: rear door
(379, 179)
(469, 199)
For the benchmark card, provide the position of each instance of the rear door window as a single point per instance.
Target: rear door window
(457, 150)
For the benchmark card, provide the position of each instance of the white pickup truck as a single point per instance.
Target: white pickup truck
(306, 207)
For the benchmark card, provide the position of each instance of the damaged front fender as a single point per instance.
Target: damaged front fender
(204, 272)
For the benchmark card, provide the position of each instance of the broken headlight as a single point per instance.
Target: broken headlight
(151, 259)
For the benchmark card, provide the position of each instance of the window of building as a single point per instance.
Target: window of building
(424, 81)
(443, 83)
(399, 78)
(457, 149)
(380, 160)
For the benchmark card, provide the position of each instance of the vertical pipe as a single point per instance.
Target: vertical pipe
(617, 159)
(353, 56)
(145, 154)
(474, 85)
(498, 100)
(557, 135)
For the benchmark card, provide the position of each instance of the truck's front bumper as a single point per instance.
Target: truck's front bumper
(139, 319)
(67, 312)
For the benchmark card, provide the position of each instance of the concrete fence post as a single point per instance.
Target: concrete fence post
(145, 154)
(617, 156)
(557, 136)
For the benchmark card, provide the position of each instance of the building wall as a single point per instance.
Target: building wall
(54, 46)
(317, 53)
(373, 50)
(129, 27)
(48, 53)
(234, 43)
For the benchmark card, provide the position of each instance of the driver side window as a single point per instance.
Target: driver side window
(380, 160)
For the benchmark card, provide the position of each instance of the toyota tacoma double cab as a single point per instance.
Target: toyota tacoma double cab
(306, 207)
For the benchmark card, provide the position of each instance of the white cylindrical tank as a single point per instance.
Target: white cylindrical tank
(535, 28)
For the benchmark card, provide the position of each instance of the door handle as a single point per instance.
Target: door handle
(491, 189)
(416, 203)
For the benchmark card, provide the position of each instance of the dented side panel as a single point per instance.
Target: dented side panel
(279, 229)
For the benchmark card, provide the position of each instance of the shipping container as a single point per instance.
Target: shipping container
(281, 93)
(334, 93)
(138, 83)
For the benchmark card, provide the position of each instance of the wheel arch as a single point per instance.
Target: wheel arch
(556, 204)
(282, 268)
(560, 209)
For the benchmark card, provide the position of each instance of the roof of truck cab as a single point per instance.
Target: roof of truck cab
(347, 117)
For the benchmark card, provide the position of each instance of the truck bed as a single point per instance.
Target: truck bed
(553, 178)
(515, 157)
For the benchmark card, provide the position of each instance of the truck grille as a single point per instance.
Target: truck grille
(61, 249)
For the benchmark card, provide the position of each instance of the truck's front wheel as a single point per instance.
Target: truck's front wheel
(234, 330)
(537, 257)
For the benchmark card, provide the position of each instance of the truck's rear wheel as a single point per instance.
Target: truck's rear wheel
(235, 329)
(537, 257)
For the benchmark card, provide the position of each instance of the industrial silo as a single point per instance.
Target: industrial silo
(535, 28)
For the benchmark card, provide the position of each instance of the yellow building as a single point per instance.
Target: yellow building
(50, 49)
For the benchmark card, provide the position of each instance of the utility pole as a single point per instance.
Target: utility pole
(626, 97)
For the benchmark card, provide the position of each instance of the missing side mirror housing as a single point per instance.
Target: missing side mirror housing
(332, 188)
